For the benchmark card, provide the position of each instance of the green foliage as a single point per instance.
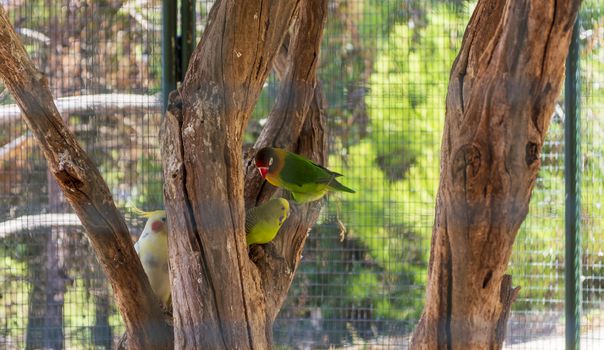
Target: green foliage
(395, 169)
(408, 90)
(13, 297)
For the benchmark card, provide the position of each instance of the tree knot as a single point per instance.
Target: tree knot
(466, 162)
(532, 153)
(175, 105)
(67, 172)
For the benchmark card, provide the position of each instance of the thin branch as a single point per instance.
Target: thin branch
(102, 104)
(131, 7)
(9, 149)
(34, 35)
(87, 193)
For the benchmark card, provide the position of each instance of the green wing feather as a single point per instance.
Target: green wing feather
(336, 185)
(250, 220)
(303, 172)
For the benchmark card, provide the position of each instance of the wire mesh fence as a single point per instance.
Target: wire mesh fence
(384, 69)
(102, 60)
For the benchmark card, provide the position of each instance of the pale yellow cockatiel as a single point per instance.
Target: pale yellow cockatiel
(152, 249)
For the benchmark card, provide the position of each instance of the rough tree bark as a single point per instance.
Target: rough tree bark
(502, 90)
(221, 299)
(84, 188)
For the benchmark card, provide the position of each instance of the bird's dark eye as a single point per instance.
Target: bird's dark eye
(163, 219)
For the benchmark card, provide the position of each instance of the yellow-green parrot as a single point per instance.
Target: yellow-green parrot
(263, 222)
(152, 249)
(306, 180)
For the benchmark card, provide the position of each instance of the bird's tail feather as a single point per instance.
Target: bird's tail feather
(339, 187)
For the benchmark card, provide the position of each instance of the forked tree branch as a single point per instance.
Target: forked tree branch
(218, 301)
(297, 123)
(202, 144)
(87, 193)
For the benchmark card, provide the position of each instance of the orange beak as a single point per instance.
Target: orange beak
(263, 171)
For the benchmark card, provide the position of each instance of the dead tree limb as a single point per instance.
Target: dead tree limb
(102, 104)
(34, 222)
(87, 193)
(502, 91)
(14, 147)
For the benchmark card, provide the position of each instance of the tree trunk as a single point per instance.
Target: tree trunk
(34, 336)
(47, 295)
(221, 299)
(502, 90)
(55, 273)
(102, 333)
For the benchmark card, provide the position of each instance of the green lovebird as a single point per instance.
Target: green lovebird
(306, 180)
(152, 250)
(263, 222)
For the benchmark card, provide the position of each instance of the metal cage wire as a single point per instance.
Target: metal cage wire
(384, 67)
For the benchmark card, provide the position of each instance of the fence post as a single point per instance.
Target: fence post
(572, 175)
(168, 49)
